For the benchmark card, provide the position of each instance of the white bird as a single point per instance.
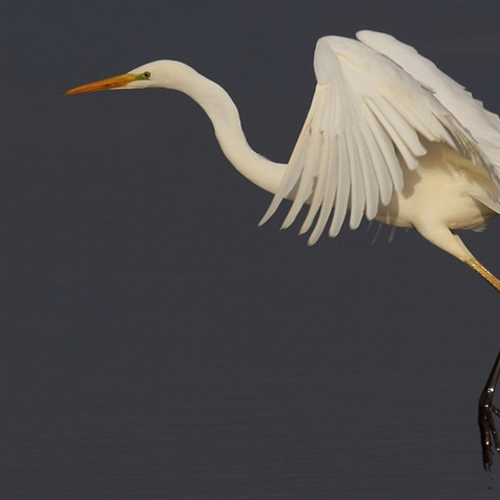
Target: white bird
(388, 136)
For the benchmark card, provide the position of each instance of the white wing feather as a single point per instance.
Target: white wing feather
(365, 125)
(483, 125)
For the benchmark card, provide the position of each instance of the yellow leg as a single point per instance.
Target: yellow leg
(484, 273)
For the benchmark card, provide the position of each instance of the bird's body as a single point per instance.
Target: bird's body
(439, 189)
(440, 196)
(388, 136)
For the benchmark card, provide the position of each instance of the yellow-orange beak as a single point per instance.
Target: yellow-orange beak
(107, 84)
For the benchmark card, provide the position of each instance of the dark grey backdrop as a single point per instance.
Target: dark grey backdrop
(154, 342)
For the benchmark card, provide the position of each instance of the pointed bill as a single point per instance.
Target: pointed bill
(107, 84)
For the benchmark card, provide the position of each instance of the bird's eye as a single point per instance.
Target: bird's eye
(147, 74)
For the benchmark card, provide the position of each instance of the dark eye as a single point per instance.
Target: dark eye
(147, 74)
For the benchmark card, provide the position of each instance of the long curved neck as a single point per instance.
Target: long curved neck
(221, 110)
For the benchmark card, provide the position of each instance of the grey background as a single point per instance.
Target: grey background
(154, 342)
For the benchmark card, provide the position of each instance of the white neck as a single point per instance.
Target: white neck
(221, 110)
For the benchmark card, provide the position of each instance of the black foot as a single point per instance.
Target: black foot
(489, 435)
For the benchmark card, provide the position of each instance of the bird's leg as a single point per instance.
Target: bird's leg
(451, 242)
(484, 273)
(487, 428)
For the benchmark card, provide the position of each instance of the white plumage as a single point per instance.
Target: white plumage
(373, 120)
(388, 136)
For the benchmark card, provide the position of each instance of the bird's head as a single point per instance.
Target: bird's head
(154, 74)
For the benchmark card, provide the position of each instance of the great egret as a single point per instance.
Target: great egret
(388, 136)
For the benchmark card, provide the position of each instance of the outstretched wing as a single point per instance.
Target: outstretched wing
(483, 125)
(367, 122)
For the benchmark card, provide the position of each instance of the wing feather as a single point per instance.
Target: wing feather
(342, 188)
(369, 175)
(359, 193)
(330, 189)
(483, 125)
(366, 124)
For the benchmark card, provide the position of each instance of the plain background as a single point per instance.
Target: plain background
(154, 342)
